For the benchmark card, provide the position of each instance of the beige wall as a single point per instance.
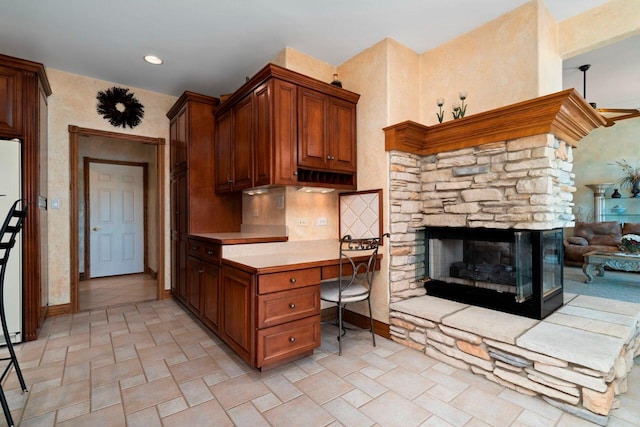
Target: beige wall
(594, 162)
(73, 102)
(609, 23)
(497, 64)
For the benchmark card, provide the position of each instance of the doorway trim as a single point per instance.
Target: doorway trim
(87, 210)
(75, 132)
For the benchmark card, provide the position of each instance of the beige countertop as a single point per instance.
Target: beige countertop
(267, 255)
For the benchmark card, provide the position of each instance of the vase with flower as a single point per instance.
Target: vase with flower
(630, 177)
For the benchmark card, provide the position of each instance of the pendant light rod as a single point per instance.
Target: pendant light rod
(584, 69)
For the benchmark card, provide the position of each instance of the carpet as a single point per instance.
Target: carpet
(618, 285)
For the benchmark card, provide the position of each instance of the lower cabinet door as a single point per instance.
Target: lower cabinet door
(290, 339)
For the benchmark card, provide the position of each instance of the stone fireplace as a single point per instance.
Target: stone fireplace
(504, 169)
(462, 193)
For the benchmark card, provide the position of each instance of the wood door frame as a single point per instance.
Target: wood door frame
(87, 209)
(75, 132)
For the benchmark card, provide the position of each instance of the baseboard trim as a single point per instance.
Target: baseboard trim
(153, 274)
(58, 310)
(356, 319)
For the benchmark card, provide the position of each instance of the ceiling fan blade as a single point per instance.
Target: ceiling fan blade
(615, 114)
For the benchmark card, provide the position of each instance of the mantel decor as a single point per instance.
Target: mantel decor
(120, 107)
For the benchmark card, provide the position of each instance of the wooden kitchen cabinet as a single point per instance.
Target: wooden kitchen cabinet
(24, 92)
(236, 311)
(11, 101)
(202, 290)
(271, 318)
(195, 206)
(290, 129)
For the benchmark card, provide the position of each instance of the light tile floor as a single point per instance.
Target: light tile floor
(152, 364)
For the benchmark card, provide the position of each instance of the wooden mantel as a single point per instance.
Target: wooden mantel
(564, 114)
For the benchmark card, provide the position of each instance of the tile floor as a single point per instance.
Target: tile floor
(151, 364)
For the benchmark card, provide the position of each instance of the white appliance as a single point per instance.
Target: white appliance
(10, 191)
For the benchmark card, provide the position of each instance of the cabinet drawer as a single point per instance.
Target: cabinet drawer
(294, 279)
(195, 248)
(281, 307)
(283, 341)
(211, 252)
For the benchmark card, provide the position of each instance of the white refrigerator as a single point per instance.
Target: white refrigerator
(10, 191)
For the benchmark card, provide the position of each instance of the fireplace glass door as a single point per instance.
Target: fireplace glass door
(509, 270)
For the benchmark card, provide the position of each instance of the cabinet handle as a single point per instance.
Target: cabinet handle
(209, 252)
(292, 339)
(295, 173)
(201, 271)
(292, 280)
(292, 306)
(229, 181)
(194, 248)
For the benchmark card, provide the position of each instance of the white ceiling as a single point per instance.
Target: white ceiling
(210, 46)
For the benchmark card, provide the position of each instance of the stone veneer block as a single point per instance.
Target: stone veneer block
(585, 348)
(609, 305)
(625, 333)
(427, 307)
(595, 314)
(492, 324)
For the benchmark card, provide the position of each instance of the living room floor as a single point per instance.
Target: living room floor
(151, 364)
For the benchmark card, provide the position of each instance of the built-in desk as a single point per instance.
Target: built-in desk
(263, 299)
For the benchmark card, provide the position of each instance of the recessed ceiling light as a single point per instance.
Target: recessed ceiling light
(152, 59)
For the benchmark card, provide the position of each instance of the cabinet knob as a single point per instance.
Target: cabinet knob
(209, 252)
(292, 306)
(201, 271)
(295, 173)
(229, 181)
(194, 248)
(292, 339)
(292, 280)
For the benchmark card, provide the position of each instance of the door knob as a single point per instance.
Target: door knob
(96, 228)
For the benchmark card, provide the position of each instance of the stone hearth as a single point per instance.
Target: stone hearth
(577, 359)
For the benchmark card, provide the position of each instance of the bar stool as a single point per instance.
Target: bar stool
(10, 229)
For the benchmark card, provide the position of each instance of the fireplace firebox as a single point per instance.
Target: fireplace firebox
(510, 270)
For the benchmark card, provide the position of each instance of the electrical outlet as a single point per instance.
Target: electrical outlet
(256, 213)
(322, 222)
(303, 222)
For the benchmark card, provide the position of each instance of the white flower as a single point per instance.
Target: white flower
(633, 237)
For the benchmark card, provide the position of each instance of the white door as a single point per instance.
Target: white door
(116, 224)
(10, 191)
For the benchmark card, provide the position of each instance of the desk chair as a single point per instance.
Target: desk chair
(358, 261)
(10, 228)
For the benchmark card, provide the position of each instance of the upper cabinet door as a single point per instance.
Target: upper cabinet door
(342, 135)
(312, 129)
(242, 144)
(178, 141)
(263, 127)
(223, 159)
(285, 133)
(10, 102)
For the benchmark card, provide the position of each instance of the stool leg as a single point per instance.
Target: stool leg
(5, 408)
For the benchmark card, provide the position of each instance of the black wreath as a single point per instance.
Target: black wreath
(130, 112)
